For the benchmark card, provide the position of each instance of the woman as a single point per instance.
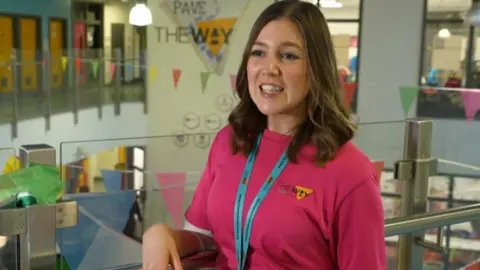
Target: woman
(284, 187)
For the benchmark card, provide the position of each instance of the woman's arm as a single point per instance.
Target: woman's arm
(190, 242)
(358, 229)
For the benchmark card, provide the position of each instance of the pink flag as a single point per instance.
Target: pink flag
(233, 82)
(176, 77)
(112, 71)
(471, 103)
(172, 187)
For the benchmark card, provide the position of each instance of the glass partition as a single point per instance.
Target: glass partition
(39, 83)
(118, 199)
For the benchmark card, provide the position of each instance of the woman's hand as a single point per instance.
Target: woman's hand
(159, 248)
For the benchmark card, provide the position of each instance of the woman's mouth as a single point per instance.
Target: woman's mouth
(270, 88)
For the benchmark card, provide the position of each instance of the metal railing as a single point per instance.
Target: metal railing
(40, 84)
(37, 238)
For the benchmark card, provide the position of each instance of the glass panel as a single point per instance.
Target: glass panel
(80, 78)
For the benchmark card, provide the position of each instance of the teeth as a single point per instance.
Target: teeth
(270, 88)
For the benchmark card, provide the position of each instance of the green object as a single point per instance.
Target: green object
(62, 263)
(408, 94)
(36, 184)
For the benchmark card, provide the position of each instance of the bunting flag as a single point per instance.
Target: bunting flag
(204, 76)
(95, 68)
(233, 82)
(152, 74)
(349, 90)
(97, 212)
(111, 249)
(408, 94)
(172, 186)
(112, 71)
(64, 63)
(112, 179)
(176, 77)
(78, 64)
(471, 103)
(129, 72)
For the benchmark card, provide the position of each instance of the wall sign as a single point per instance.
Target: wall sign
(206, 24)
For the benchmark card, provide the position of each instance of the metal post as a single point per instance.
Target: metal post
(48, 88)
(415, 169)
(101, 84)
(145, 71)
(15, 91)
(37, 247)
(76, 86)
(118, 80)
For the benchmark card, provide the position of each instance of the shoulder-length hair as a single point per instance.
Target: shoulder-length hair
(327, 126)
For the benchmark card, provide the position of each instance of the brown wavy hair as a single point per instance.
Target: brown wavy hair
(327, 126)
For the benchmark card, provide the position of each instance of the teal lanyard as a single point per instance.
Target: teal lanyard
(242, 238)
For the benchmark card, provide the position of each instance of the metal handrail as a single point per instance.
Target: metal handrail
(421, 222)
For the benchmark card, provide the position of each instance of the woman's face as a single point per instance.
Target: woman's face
(277, 69)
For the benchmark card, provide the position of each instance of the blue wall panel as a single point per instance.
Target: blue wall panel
(46, 9)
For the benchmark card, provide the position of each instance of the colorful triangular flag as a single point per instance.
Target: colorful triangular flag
(129, 72)
(112, 71)
(78, 64)
(204, 76)
(176, 77)
(471, 103)
(64, 63)
(349, 91)
(96, 210)
(408, 94)
(233, 82)
(152, 73)
(112, 179)
(95, 68)
(172, 186)
(102, 255)
(74, 242)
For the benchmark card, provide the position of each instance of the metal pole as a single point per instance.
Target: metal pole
(48, 87)
(37, 247)
(15, 93)
(415, 169)
(425, 221)
(101, 83)
(118, 80)
(76, 88)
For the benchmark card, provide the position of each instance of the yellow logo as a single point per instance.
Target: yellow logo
(302, 192)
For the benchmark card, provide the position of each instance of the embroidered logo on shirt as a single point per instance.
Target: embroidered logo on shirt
(302, 192)
(298, 192)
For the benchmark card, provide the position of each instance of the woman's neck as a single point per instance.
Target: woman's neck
(285, 124)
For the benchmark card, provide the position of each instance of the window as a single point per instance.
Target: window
(449, 60)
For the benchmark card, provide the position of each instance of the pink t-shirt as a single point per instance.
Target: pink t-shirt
(338, 224)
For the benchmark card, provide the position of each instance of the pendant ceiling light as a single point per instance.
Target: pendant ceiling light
(140, 15)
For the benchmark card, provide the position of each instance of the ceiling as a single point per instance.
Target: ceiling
(433, 5)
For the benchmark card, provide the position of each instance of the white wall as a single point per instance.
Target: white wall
(118, 12)
(131, 123)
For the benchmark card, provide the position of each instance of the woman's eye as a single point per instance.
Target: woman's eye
(256, 53)
(289, 56)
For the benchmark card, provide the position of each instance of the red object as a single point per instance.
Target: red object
(349, 90)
